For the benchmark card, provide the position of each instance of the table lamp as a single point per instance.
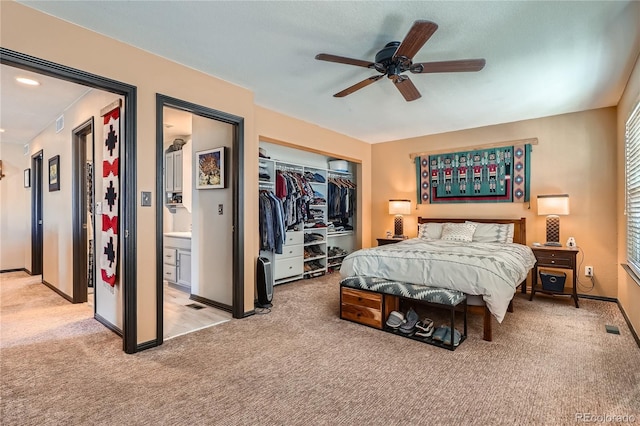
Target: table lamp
(399, 208)
(553, 206)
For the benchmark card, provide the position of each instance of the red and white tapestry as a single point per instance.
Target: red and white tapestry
(111, 199)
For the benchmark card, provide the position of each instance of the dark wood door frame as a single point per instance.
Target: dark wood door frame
(79, 205)
(36, 213)
(127, 174)
(237, 188)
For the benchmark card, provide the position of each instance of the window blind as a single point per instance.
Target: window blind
(632, 172)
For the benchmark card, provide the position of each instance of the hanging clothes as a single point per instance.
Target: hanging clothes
(340, 199)
(271, 222)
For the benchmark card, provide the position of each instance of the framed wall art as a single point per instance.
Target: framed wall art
(27, 178)
(54, 173)
(211, 168)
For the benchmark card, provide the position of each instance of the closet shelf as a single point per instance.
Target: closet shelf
(336, 257)
(313, 243)
(339, 233)
(314, 258)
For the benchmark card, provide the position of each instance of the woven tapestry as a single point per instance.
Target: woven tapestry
(475, 176)
(111, 203)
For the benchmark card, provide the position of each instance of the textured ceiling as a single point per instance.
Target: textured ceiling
(543, 58)
(25, 111)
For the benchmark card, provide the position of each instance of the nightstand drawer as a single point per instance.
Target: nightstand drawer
(554, 261)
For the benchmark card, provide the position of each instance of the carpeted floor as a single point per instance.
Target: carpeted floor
(301, 364)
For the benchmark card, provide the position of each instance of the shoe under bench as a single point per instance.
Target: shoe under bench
(370, 300)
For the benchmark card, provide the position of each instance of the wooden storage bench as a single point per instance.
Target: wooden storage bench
(370, 300)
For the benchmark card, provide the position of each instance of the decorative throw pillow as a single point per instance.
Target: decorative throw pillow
(462, 232)
(493, 232)
(430, 231)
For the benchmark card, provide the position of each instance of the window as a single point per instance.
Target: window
(632, 154)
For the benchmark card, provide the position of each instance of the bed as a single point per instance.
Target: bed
(488, 270)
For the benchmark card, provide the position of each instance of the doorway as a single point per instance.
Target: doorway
(83, 222)
(127, 177)
(36, 214)
(234, 155)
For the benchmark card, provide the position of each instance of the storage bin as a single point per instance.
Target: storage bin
(339, 165)
(553, 281)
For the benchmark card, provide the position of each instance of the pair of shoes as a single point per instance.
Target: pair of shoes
(425, 328)
(315, 250)
(456, 337)
(411, 319)
(395, 320)
(441, 333)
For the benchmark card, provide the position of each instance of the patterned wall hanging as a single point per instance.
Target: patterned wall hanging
(111, 199)
(498, 174)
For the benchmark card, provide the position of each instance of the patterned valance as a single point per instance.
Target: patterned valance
(498, 174)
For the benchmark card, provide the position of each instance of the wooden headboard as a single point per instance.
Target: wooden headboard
(519, 225)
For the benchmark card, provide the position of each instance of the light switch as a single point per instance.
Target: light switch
(219, 208)
(145, 198)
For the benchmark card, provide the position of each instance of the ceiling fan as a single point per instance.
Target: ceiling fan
(397, 57)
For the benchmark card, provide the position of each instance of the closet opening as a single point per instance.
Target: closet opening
(199, 185)
(313, 198)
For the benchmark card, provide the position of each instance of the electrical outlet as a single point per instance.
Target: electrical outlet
(588, 271)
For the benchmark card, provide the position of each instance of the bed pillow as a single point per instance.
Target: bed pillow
(462, 232)
(430, 231)
(493, 232)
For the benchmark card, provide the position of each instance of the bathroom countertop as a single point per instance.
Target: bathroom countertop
(178, 234)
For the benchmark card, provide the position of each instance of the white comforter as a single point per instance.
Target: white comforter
(492, 270)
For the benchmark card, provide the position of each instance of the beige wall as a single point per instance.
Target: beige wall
(628, 290)
(14, 207)
(576, 154)
(33, 33)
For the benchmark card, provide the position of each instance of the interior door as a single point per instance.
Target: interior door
(36, 214)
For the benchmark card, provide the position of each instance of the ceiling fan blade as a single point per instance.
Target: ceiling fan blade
(407, 88)
(418, 35)
(343, 60)
(358, 86)
(463, 65)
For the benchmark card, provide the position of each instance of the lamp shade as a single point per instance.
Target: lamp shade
(553, 204)
(399, 207)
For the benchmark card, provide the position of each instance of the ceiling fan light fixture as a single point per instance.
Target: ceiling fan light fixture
(396, 58)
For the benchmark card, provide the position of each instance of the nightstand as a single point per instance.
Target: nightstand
(555, 257)
(385, 241)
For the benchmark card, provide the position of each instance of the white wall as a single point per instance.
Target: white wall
(212, 237)
(14, 208)
(57, 205)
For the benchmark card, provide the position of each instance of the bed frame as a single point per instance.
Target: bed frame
(519, 237)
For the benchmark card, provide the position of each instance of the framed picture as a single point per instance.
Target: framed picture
(27, 178)
(54, 173)
(210, 168)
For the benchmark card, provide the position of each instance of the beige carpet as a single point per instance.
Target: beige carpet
(301, 364)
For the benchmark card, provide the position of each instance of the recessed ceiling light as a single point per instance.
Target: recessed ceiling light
(1, 130)
(27, 81)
